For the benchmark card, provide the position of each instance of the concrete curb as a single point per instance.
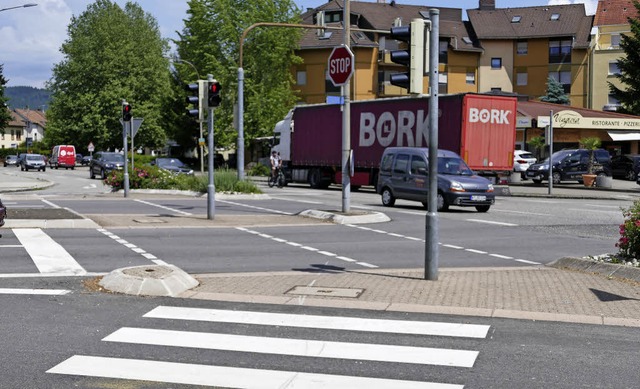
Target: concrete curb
(357, 217)
(610, 270)
(155, 280)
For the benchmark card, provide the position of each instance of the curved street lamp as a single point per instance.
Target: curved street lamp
(19, 6)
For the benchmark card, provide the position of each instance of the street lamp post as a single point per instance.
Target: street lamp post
(19, 6)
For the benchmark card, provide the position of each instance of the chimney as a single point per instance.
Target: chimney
(487, 5)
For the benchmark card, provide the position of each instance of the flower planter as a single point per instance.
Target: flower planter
(589, 180)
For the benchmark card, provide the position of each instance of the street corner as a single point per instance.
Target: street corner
(351, 217)
(14, 182)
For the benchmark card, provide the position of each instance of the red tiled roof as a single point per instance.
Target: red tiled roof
(33, 116)
(614, 12)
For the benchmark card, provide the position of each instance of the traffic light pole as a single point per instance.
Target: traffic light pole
(125, 130)
(549, 138)
(431, 253)
(211, 188)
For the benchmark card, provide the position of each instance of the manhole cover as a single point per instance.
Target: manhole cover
(325, 291)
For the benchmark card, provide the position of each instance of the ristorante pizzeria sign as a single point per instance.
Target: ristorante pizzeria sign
(572, 119)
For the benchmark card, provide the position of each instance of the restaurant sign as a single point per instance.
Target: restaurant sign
(572, 119)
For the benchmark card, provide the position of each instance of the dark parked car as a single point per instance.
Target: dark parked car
(79, 159)
(11, 160)
(104, 162)
(625, 166)
(3, 213)
(570, 165)
(86, 160)
(172, 165)
(33, 161)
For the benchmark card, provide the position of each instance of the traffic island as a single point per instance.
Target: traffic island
(152, 280)
(353, 217)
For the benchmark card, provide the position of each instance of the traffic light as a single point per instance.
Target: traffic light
(213, 93)
(415, 57)
(197, 98)
(126, 111)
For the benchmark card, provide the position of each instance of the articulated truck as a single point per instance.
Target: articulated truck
(480, 128)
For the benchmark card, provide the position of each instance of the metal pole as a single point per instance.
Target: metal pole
(211, 188)
(240, 154)
(346, 118)
(549, 137)
(431, 238)
(133, 149)
(126, 127)
(201, 149)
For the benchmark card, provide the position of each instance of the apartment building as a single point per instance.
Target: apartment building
(609, 25)
(25, 124)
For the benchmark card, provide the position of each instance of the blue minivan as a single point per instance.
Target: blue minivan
(404, 175)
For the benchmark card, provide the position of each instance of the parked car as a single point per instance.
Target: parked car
(86, 159)
(522, 160)
(11, 160)
(33, 161)
(404, 175)
(570, 165)
(79, 158)
(104, 162)
(173, 165)
(625, 166)
(3, 213)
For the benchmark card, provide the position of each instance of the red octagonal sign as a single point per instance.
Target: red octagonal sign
(340, 65)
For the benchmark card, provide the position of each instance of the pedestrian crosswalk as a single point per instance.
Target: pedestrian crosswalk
(244, 376)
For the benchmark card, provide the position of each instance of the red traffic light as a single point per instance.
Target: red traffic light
(126, 112)
(214, 94)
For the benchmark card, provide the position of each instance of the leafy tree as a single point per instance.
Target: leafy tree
(555, 93)
(5, 115)
(629, 66)
(211, 41)
(111, 54)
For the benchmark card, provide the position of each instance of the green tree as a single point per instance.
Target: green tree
(111, 54)
(211, 41)
(629, 65)
(555, 93)
(5, 115)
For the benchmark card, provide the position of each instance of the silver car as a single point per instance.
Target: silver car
(33, 161)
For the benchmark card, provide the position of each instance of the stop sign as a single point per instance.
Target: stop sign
(340, 65)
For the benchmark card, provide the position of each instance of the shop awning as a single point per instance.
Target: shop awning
(624, 135)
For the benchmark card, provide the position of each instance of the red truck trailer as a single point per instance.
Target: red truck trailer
(480, 128)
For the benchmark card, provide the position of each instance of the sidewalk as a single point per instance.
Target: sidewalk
(561, 292)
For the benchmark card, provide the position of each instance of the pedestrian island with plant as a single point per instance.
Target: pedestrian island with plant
(629, 243)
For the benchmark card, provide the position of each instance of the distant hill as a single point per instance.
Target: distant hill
(27, 97)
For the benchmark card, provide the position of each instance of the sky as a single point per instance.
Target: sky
(30, 38)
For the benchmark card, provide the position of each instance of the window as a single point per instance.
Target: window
(522, 79)
(443, 80)
(554, 17)
(442, 51)
(418, 163)
(496, 89)
(471, 78)
(333, 17)
(13, 135)
(301, 77)
(560, 51)
(516, 19)
(614, 69)
(563, 77)
(522, 48)
(402, 162)
(612, 100)
(496, 63)
(615, 40)
(386, 163)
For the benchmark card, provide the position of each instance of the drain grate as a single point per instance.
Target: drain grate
(325, 291)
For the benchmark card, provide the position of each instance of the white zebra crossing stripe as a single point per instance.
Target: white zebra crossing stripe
(324, 322)
(297, 347)
(218, 376)
(46, 292)
(48, 256)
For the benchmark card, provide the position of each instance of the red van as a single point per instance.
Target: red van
(63, 156)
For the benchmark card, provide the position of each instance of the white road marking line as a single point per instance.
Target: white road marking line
(475, 251)
(130, 245)
(453, 247)
(412, 213)
(218, 376)
(296, 200)
(501, 256)
(396, 235)
(327, 253)
(492, 222)
(10, 246)
(46, 292)
(412, 238)
(47, 254)
(309, 248)
(160, 262)
(323, 322)
(294, 244)
(254, 207)
(529, 262)
(165, 208)
(42, 275)
(49, 203)
(149, 256)
(280, 240)
(592, 210)
(522, 213)
(138, 250)
(297, 347)
(365, 264)
(347, 259)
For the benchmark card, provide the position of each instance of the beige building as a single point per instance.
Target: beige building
(24, 124)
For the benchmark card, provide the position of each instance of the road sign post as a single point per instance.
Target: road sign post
(341, 65)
